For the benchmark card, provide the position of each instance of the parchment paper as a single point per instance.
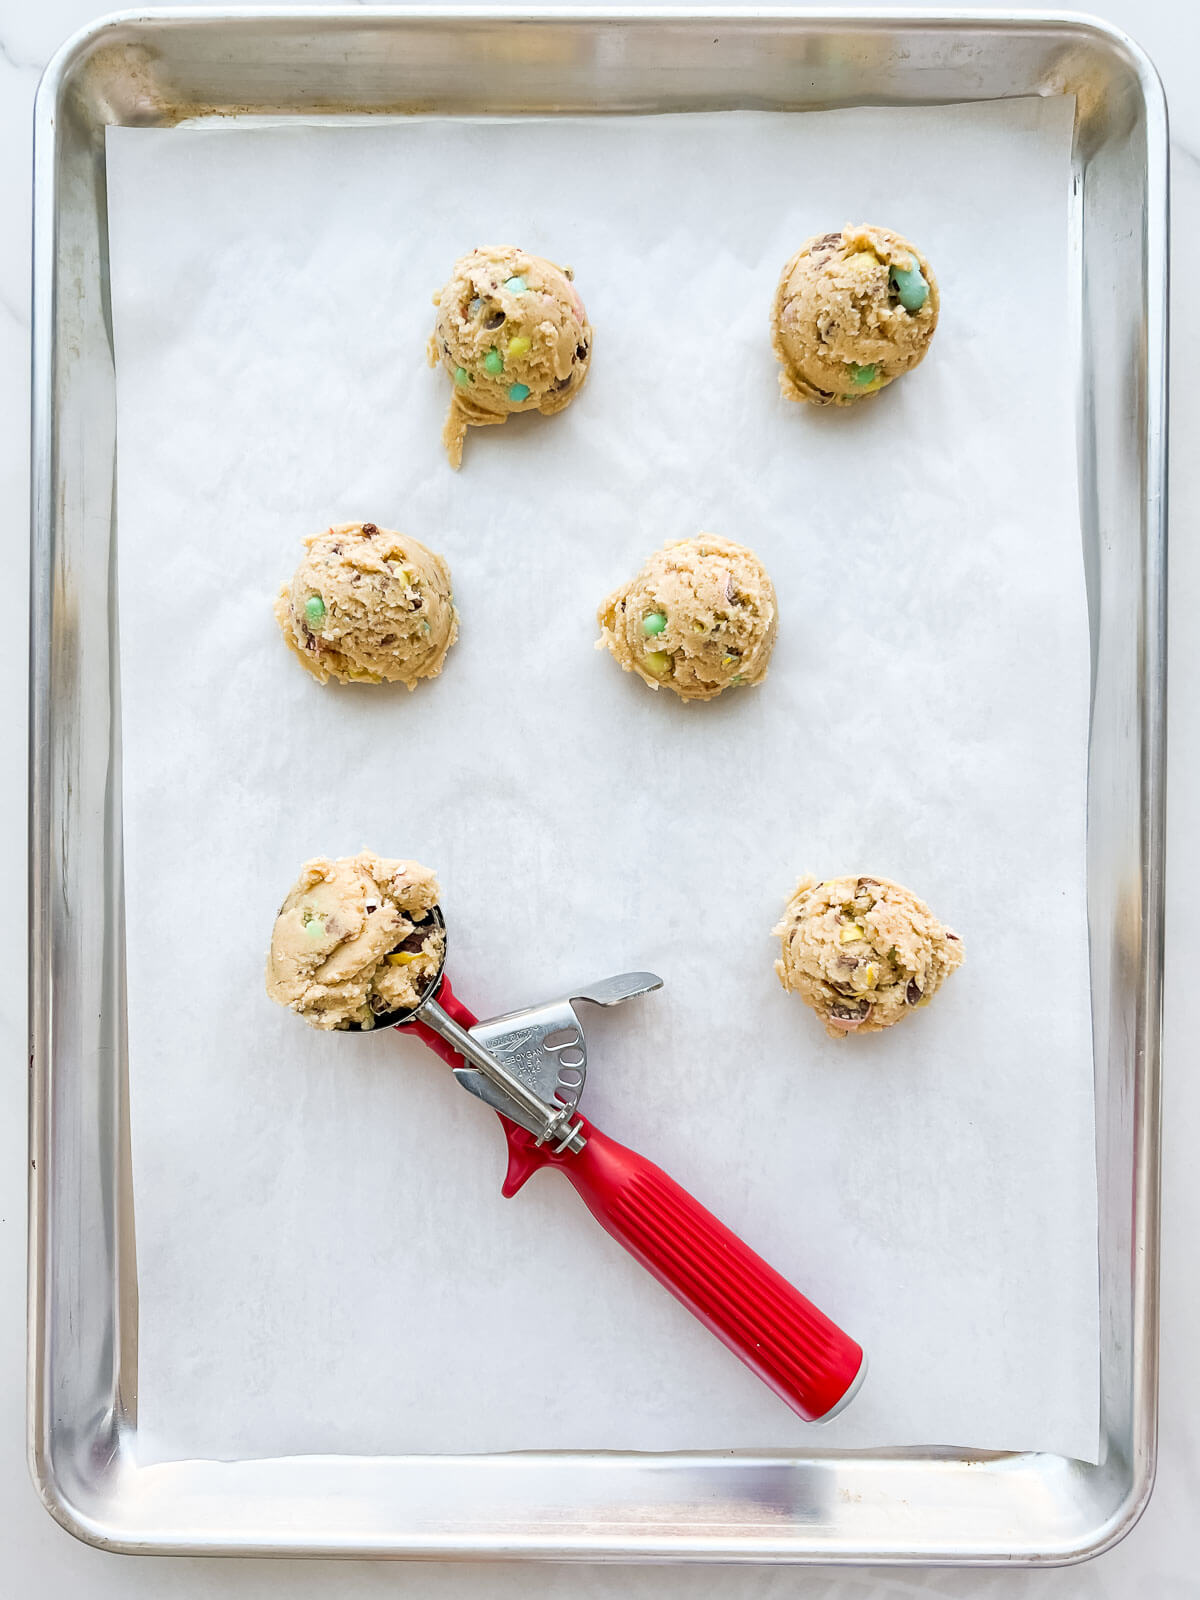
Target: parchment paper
(325, 1263)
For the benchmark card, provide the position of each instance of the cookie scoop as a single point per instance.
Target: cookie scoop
(512, 335)
(530, 1067)
(853, 311)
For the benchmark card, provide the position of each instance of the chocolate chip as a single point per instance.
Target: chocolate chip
(913, 993)
(827, 241)
(859, 1009)
(370, 529)
(565, 383)
(730, 591)
(388, 638)
(496, 318)
(953, 936)
(413, 942)
(581, 352)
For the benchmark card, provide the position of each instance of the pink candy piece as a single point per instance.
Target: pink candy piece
(847, 1023)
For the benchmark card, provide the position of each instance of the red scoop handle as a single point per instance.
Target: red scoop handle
(794, 1348)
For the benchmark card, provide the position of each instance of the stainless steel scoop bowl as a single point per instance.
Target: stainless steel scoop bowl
(396, 1019)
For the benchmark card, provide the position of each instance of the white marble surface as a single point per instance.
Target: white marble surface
(1158, 1560)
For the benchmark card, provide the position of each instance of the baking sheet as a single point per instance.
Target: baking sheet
(324, 1260)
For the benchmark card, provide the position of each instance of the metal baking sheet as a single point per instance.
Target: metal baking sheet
(834, 1506)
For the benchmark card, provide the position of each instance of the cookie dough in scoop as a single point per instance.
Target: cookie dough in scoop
(355, 939)
(367, 606)
(853, 311)
(862, 952)
(699, 618)
(512, 334)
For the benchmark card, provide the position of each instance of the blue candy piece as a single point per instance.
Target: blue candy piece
(519, 392)
(910, 286)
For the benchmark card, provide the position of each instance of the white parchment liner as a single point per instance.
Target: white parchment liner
(325, 1263)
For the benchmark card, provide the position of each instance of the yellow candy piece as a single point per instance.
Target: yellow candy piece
(727, 661)
(404, 958)
(657, 661)
(871, 974)
(851, 931)
(698, 627)
(863, 261)
(519, 345)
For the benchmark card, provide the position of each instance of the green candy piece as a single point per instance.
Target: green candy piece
(462, 377)
(314, 608)
(519, 392)
(910, 286)
(494, 362)
(654, 623)
(863, 375)
(314, 927)
(516, 284)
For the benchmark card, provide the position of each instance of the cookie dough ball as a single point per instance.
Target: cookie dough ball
(355, 939)
(368, 606)
(862, 952)
(513, 335)
(853, 310)
(700, 617)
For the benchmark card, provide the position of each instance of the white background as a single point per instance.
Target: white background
(1154, 1561)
